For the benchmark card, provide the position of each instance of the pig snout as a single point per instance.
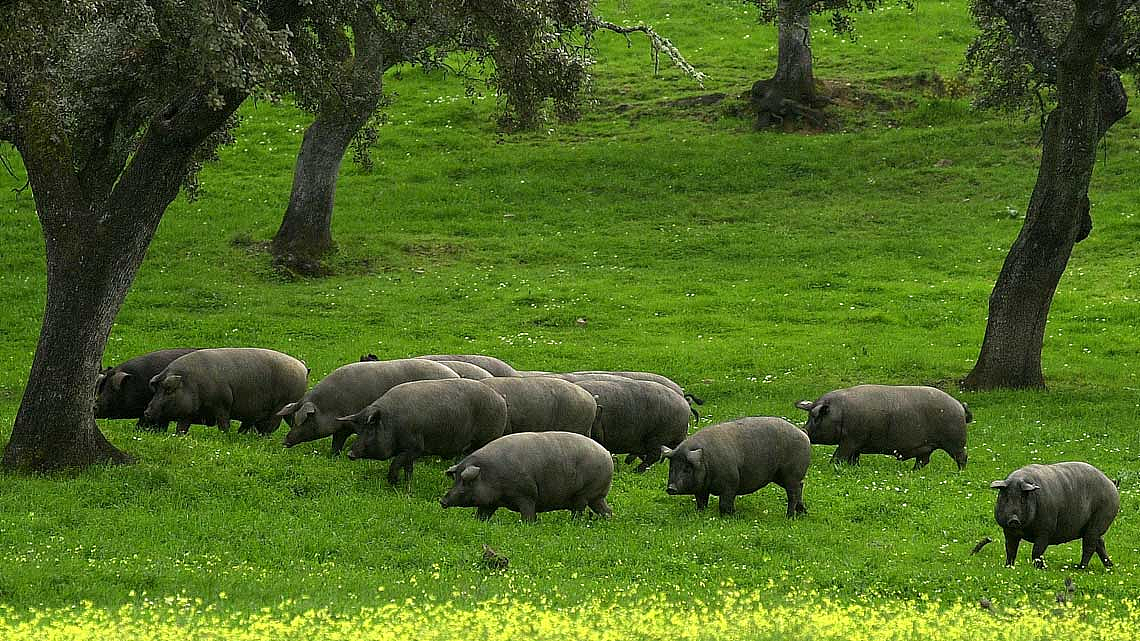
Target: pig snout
(1014, 521)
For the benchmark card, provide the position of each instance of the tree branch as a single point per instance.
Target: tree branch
(659, 44)
(1028, 35)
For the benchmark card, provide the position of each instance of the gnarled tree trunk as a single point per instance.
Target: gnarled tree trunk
(97, 230)
(1088, 103)
(791, 91)
(305, 235)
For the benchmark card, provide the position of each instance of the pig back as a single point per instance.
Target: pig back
(886, 418)
(445, 417)
(352, 387)
(756, 450)
(493, 365)
(633, 413)
(545, 404)
(560, 466)
(1074, 498)
(256, 381)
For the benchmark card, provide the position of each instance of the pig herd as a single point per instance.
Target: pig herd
(532, 441)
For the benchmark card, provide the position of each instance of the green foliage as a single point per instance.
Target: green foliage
(840, 13)
(1013, 57)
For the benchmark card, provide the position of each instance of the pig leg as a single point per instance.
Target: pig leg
(224, 422)
(649, 458)
(727, 504)
(600, 507)
(1088, 546)
(485, 513)
(922, 459)
(528, 511)
(959, 456)
(338, 439)
(845, 452)
(795, 493)
(1012, 541)
(702, 500)
(1039, 552)
(183, 427)
(268, 426)
(1102, 553)
(404, 460)
(630, 458)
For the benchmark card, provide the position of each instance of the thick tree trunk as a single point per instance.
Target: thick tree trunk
(305, 235)
(1057, 216)
(96, 234)
(791, 91)
(55, 427)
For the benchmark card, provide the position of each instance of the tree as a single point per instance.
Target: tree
(1070, 53)
(791, 91)
(113, 106)
(530, 53)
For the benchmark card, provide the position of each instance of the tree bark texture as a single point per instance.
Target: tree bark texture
(96, 234)
(305, 235)
(791, 91)
(1089, 100)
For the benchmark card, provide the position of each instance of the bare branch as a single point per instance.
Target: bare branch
(659, 44)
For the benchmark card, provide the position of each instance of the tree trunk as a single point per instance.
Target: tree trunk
(96, 235)
(305, 235)
(792, 90)
(1057, 216)
(55, 427)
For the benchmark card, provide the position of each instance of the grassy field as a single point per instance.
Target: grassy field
(756, 268)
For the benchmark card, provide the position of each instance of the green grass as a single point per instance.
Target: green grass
(757, 268)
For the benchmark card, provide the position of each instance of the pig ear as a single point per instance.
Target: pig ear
(1026, 486)
(998, 485)
(171, 383)
(806, 405)
(666, 452)
(303, 412)
(363, 417)
(450, 472)
(823, 410)
(116, 380)
(695, 456)
(470, 473)
(288, 409)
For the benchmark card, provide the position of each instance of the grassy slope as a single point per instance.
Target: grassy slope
(756, 268)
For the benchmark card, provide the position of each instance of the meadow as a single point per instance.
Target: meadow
(757, 268)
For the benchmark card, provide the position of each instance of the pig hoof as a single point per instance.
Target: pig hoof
(1039, 564)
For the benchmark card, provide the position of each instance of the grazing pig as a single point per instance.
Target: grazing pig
(533, 472)
(637, 417)
(123, 391)
(739, 457)
(489, 363)
(347, 390)
(449, 417)
(542, 404)
(904, 421)
(213, 386)
(577, 377)
(1050, 504)
(466, 370)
